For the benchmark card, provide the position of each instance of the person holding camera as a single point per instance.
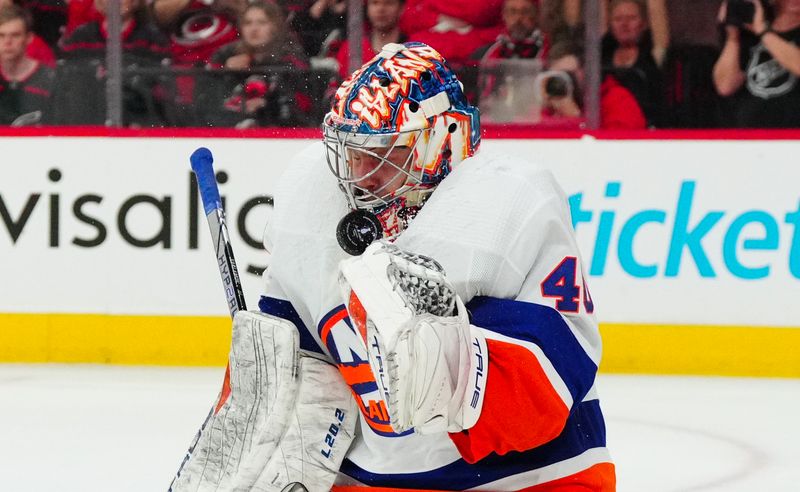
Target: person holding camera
(561, 89)
(759, 65)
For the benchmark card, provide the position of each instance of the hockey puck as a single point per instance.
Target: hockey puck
(357, 230)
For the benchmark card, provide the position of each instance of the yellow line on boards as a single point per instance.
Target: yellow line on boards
(98, 338)
(205, 340)
(701, 350)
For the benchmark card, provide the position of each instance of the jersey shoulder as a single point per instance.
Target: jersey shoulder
(307, 197)
(301, 236)
(484, 223)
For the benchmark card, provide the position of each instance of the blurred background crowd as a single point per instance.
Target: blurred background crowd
(262, 63)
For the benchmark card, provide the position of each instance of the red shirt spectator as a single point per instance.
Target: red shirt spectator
(618, 107)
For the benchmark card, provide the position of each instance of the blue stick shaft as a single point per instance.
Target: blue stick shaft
(203, 166)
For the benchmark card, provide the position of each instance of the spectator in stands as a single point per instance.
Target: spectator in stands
(197, 28)
(321, 25)
(563, 98)
(383, 27)
(37, 48)
(25, 83)
(84, 51)
(49, 18)
(142, 41)
(521, 36)
(760, 64)
(269, 90)
(562, 20)
(694, 48)
(635, 47)
(455, 28)
(509, 66)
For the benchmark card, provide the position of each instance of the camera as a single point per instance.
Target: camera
(556, 86)
(740, 12)
(555, 83)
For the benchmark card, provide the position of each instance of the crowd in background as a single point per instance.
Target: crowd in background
(665, 64)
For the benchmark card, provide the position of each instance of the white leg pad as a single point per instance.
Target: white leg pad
(262, 366)
(319, 433)
(260, 436)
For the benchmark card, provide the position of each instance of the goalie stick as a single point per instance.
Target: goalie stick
(202, 162)
(266, 429)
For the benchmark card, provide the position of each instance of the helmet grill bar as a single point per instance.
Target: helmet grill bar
(339, 145)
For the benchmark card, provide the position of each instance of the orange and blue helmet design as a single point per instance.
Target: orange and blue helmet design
(406, 96)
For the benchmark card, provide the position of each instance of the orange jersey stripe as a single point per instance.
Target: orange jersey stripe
(356, 374)
(326, 328)
(521, 411)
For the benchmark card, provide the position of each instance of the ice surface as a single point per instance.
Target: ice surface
(111, 428)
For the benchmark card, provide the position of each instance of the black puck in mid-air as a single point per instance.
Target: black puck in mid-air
(357, 230)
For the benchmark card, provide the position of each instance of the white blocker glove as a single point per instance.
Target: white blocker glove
(284, 417)
(429, 363)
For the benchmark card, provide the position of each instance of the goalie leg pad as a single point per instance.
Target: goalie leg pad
(287, 420)
(253, 408)
(320, 432)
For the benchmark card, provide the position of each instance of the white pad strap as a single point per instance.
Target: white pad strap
(391, 49)
(435, 105)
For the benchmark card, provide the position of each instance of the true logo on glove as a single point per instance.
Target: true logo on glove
(479, 375)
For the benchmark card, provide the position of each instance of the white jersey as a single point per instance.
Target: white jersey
(501, 229)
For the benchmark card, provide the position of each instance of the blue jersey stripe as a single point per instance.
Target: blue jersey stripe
(284, 309)
(543, 326)
(584, 430)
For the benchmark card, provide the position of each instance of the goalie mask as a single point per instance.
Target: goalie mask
(397, 127)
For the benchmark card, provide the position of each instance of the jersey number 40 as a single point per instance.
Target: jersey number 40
(562, 284)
